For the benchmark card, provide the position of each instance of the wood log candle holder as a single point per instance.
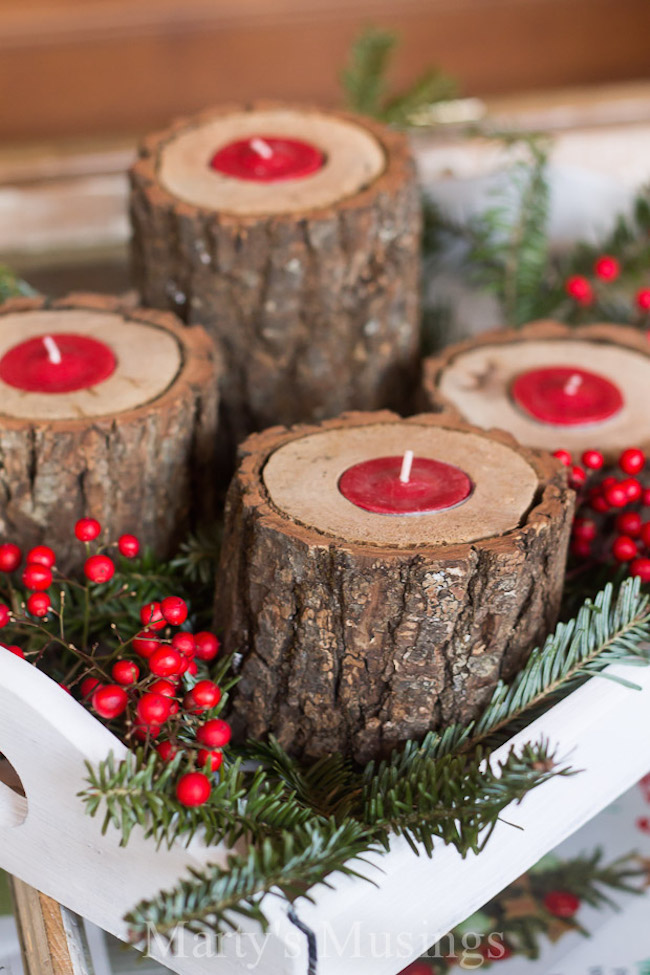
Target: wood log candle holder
(359, 630)
(551, 386)
(292, 235)
(106, 412)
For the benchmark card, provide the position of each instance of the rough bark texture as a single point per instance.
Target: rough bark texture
(354, 648)
(433, 368)
(148, 471)
(316, 311)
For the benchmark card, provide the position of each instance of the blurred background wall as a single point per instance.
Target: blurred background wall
(71, 68)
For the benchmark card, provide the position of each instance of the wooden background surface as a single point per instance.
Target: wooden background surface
(82, 67)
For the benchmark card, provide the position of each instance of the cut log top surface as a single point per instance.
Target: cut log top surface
(473, 379)
(149, 358)
(353, 159)
(302, 481)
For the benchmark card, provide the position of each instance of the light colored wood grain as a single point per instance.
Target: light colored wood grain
(50, 937)
(302, 481)
(148, 360)
(353, 160)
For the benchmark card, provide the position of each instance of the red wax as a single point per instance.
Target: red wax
(267, 158)
(84, 362)
(432, 486)
(566, 396)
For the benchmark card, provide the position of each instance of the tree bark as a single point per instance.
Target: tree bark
(147, 470)
(471, 380)
(317, 310)
(355, 647)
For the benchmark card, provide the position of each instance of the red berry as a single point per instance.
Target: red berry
(163, 687)
(599, 504)
(110, 701)
(643, 299)
(184, 643)
(15, 650)
(629, 523)
(585, 528)
(593, 459)
(87, 529)
(616, 495)
(166, 751)
(645, 497)
(152, 617)
(39, 604)
(128, 546)
(193, 789)
(125, 672)
(214, 733)
(577, 477)
(153, 709)
(144, 732)
(215, 758)
(633, 488)
(632, 460)
(207, 646)
(203, 695)
(145, 643)
(10, 557)
(174, 609)
(5, 615)
(193, 669)
(579, 288)
(417, 968)
(641, 568)
(607, 268)
(165, 662)
(42, 554)
(564, 457)
(183, 667)
(88, 685)
(624, 549)
(99, 568)
(37, 576)
(561, 903)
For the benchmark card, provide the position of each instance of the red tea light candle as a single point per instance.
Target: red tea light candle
(268, 159)
(405, 485)
(63, 363)
(566, 396)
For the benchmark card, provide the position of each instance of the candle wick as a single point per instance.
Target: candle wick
(261, 147)
(52, 349)
(573, 384)
(407, 463)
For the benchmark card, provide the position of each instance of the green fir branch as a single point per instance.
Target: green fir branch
(217, 898)
(365, 83)
(456, 798)
(364, 79)
(11, 286)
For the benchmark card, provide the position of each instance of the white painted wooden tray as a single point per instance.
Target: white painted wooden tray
(47, 840)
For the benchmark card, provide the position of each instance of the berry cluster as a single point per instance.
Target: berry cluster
(606, 270)
(153, 686)
(609, 525)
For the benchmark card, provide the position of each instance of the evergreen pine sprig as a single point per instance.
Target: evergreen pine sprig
(457, 798)
(365, 84)
(217, 898)
(242, 805)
